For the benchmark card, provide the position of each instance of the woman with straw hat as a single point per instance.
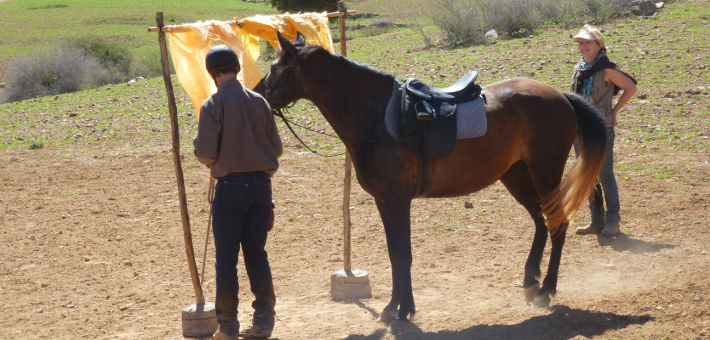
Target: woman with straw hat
(598, 80)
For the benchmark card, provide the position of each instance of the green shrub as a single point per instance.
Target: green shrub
(147, 65)
(460, 20)
(516, 18)
(49, 71)
(110, 55)
(49, 6)
(466, 21)
(295, 6)
(36, 145)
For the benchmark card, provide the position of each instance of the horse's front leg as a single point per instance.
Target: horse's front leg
(395, 213)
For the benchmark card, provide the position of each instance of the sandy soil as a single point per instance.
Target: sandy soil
(85, 235)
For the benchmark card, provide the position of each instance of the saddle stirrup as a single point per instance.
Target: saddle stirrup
(428, 112)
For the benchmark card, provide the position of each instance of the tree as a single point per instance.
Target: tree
(294, 6)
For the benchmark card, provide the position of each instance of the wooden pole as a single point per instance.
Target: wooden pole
(176, 162)
(347, 264)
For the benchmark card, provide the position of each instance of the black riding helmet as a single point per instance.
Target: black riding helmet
(219, 56)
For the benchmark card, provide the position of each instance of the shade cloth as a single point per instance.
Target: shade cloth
(189, 47)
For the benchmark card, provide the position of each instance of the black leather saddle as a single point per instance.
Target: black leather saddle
(429, 114)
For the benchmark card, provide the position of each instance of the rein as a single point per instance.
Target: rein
(279, 113)
(288, 75)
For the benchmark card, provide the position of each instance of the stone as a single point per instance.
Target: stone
(125, 307)
(492, 34)
(199, 320)
(659, 5)
(350, 285)
(645, 8)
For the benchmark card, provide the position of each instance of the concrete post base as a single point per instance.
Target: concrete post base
(350, 285)
(199, 320)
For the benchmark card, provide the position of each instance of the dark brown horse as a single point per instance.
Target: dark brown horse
(531, 127)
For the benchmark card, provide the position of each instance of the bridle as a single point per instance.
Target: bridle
(288, 75)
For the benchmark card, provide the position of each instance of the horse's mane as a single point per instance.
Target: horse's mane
(309, 51)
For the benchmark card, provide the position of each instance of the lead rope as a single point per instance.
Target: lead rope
(210, 199)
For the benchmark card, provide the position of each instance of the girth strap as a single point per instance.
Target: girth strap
(424, 170)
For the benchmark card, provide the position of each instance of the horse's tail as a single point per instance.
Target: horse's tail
(563, 203)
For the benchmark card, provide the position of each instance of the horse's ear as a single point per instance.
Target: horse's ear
(286, 45)
(300, 39)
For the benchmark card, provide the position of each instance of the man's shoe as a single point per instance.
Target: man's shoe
(611, 229)
(255, 332)
(591, 228)
(219, 335)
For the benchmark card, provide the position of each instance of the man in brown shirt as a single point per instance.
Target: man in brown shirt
(238, 140)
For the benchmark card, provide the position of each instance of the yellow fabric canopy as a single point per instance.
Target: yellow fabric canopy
(188, 48)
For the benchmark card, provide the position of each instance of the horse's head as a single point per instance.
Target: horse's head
(278, 85)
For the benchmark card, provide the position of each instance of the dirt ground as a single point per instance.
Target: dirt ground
(91, 245)
(92, 248)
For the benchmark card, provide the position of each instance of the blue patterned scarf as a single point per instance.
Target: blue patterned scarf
(586, 90)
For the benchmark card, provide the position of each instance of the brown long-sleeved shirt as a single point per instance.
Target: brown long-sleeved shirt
(237, 132)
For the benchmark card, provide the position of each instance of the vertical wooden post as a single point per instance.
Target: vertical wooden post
(347, 263)
(176, 162)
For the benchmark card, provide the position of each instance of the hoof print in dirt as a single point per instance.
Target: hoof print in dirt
(541, 302)
(399, 327)
(530, 292)
(387, 316)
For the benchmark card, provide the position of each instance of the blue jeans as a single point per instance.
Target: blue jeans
(240, 217)
(610, 192)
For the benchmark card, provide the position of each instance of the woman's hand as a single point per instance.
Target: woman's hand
(625, 83)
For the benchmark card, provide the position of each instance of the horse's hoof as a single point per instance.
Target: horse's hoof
(542, 301)
(399, 327)
(530, 292)
(387, 316)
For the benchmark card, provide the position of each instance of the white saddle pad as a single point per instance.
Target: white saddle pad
(471, 120)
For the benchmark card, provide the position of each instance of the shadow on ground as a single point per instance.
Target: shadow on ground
(622, 243)
(562, 324)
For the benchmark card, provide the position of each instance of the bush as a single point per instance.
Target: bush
(295, 6)
(110, 55)
(517, 18)
(467, 21)
(36, 145)
(49, 71)
(147, 65)
(461, 20)
(74, 65)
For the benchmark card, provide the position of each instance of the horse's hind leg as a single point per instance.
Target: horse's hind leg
(549, 284)
(396, 219)
(518, 181)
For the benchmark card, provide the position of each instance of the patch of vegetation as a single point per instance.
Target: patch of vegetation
(122, 23)
(50, 6)
(49, 72)
(466, 21)
(295, 6)
(36, 145)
